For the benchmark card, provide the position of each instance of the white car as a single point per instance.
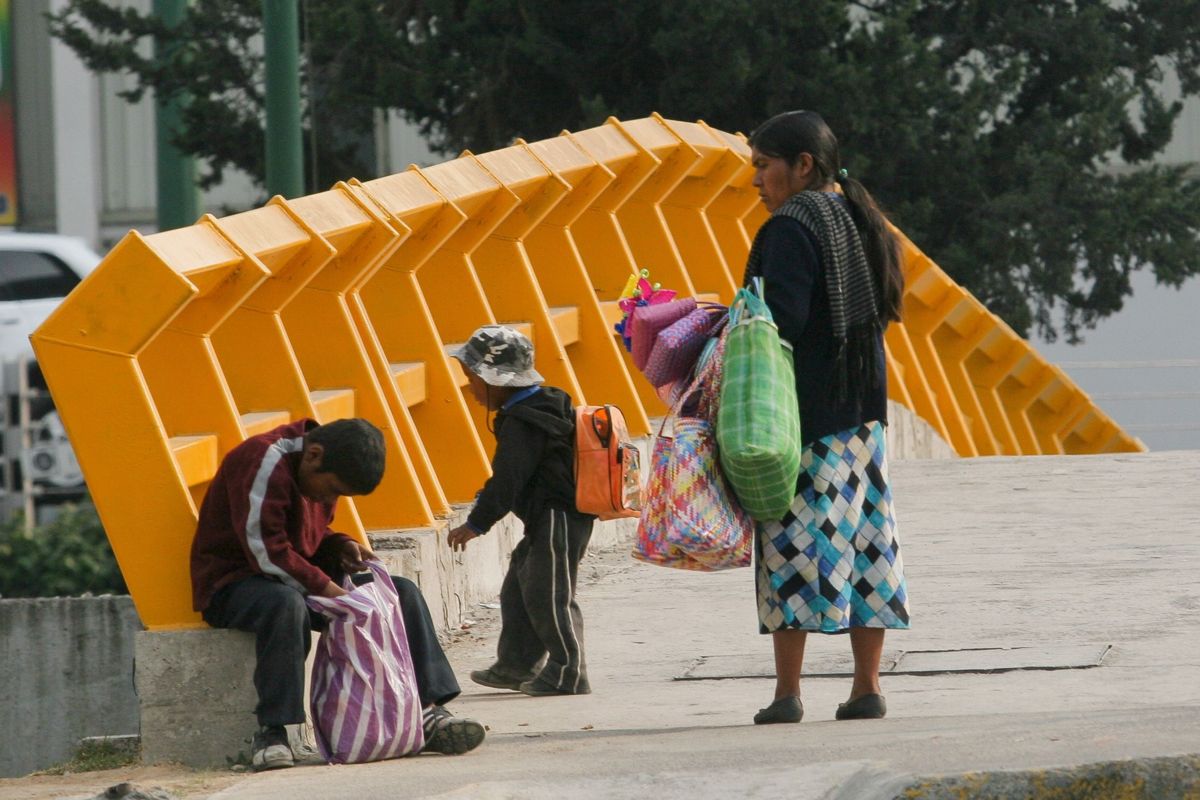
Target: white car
(37, 270)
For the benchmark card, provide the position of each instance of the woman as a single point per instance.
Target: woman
(832, 280)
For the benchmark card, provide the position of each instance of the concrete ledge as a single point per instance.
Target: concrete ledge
(453, 583)
(196, 695)
(66, 672)
(909, 436)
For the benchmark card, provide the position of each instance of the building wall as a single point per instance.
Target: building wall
(35, 131)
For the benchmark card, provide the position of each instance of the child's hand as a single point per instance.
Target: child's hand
(353, 556)
(459, 537)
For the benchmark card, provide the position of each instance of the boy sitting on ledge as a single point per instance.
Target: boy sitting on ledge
(263, 542)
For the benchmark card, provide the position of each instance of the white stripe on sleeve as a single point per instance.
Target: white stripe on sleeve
(258, 491)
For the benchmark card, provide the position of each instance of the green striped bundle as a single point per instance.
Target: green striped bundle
(758, 418)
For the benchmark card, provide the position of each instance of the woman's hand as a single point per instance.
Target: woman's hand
(459, 537)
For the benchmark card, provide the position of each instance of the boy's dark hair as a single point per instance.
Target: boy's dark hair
(353, 450)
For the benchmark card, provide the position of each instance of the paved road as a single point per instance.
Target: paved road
(1054, 563)
(1042, 562)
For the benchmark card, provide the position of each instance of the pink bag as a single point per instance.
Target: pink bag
(364, 700)
(678, 346)
(646, 321)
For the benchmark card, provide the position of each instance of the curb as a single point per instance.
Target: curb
(1159, 778)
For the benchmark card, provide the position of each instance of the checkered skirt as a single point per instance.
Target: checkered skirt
(833, 561)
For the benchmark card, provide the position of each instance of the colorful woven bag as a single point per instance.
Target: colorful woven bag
(758, 421)
(645, 322)
(691, 519)
(678, 346)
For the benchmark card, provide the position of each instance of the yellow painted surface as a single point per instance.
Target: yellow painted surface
(345, 302)
(395, 309)
(410, 380)
(197, 456)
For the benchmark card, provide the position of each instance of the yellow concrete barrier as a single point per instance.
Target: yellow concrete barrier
(347, 303)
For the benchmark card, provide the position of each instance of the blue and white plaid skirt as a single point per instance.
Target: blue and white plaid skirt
(833, 562)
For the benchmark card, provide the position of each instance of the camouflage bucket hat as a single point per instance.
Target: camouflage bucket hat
(500, 356)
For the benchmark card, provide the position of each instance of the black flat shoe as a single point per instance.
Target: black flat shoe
(785, 709)
(869, 706)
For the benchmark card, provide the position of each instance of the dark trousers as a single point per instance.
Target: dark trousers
(282, 626)
(539, 614)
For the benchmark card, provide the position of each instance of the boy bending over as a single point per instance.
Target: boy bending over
(263, 542)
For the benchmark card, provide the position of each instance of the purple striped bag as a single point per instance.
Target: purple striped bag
(364, 700)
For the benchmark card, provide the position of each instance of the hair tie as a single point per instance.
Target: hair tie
(843, 174)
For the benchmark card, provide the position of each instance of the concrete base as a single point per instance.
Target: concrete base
(454, 583)
(66, 672)
(196, 695)
(909, 436)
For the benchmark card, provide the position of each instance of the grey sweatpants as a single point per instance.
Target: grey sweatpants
(539, 614)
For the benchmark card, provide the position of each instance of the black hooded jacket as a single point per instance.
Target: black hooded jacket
(534, 464)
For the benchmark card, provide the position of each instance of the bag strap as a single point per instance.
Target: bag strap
(383, 580)
(751, 302)
(706, 368)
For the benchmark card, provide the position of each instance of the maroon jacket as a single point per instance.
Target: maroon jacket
(254, 521)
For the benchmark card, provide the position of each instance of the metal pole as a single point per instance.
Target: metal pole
(177, 196)
(285, 155)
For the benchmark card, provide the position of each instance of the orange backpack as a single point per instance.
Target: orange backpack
(608, 465)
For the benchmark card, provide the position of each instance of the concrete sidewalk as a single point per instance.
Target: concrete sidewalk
(1056, 611)
(1052, 564)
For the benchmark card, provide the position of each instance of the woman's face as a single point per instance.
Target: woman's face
(776, 180)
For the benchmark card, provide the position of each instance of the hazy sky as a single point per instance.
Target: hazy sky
(1157, 324)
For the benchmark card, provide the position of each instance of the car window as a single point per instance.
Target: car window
(26, 275)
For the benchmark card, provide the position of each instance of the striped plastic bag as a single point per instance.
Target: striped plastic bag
(758, 418)
(364, 700)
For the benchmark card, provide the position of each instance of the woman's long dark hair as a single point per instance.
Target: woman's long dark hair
(788, 135)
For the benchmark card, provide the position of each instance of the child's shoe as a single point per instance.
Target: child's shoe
(494, 679)
(448, 734)
(271, 749)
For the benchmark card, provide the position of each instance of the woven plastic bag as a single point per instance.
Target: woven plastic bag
(691, 519)
(645, 322)
(758, 421)
(677, 347)
(364, 700)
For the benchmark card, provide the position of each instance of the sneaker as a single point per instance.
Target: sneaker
(493, 679)
(450, 735)
(271, 749)
(304, 753)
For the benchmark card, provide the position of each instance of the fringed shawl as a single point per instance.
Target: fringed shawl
(853, 294)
